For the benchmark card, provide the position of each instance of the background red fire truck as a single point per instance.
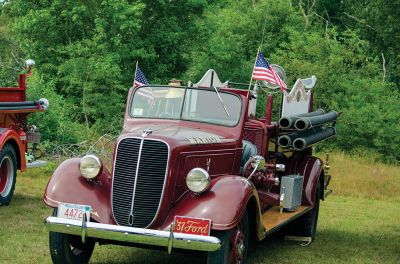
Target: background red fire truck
(15, 132)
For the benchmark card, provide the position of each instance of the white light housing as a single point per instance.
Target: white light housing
(90, 166)
(30, 63)
(198, 180)
(44, 103)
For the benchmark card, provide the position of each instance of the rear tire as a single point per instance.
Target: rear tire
(8, 173)
(306, 225)
(227, 254)
(69, 249)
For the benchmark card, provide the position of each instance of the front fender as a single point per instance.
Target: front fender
(8, 135)
(310, 167)
(223, 203)
(68, 186)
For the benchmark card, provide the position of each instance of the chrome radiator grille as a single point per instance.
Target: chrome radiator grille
(140, 201)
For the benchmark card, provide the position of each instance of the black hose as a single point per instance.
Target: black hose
(19, 107)
(307, 122)
(15, 104)
(285, 141)
(304, 142)
(288, 121)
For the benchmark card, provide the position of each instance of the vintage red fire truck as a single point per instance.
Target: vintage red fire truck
(194, 170)
(15, 133)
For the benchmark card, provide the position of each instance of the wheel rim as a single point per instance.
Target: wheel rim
(76, 246)
(238, 246)
(76, 251)
(6, 176)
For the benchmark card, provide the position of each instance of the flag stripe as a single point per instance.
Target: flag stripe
(140, 80)
(264, 72)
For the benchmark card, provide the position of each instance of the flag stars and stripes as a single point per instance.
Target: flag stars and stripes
(140, 80)
(264, 72)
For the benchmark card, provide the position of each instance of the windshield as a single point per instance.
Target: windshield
(201, 105)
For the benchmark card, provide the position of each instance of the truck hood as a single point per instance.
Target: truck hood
(190, 146)
(180, 134)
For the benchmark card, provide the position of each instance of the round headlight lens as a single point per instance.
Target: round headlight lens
(197, 180)
(90, 166)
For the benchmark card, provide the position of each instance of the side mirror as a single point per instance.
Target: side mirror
(257, 162)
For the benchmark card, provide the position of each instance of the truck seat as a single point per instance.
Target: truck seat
(249, 149)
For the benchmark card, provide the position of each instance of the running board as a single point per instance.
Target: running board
(272, 219)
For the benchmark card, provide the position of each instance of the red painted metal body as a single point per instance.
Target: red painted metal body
(14, 94)
(13, 125)
(311, 168)
(68, 186)
(218, 203)
(229, 193)
(13, 137)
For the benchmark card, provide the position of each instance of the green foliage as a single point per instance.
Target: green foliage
(349, 78)
(87, 50)
(54, 126)
(86, 53)
(10, 53)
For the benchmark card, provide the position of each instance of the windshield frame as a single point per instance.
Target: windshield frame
(183, 103)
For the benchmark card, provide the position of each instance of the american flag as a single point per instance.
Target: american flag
(141, 80)
(264, 72)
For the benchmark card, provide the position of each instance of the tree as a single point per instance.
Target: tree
(88, 49)
(11, 61)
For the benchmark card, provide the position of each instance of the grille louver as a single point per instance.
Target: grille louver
(149, 184)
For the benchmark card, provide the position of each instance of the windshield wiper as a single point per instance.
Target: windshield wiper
(216, 90)
(222, 102)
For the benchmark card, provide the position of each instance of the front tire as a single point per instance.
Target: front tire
(69, 249)
(234, 244)
(8, 173)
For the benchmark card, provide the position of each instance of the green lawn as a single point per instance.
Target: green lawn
(350, 230)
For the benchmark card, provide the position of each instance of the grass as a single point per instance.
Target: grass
(364, 178)
(359, 223)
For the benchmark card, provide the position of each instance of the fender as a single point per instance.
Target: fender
(68, 186)
(223, 203)
(8, 135)
(311, 168)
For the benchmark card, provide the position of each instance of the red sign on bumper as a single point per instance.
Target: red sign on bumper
(194, 226)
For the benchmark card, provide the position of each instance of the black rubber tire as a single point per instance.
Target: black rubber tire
(221, 256)
(7, 174)
(306, 225)
(69, 249)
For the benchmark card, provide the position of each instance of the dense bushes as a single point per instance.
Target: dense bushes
(86, 53)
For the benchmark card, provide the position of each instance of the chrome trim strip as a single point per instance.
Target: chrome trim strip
(165, 177)
(133, 234)
(134, 184)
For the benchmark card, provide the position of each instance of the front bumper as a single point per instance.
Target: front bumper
(132, 234)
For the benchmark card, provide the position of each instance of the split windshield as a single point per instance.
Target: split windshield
(193, 104)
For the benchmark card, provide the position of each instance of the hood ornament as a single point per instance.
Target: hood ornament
(147, 132)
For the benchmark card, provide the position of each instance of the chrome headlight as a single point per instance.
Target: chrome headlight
(197, 180)
(90, 166)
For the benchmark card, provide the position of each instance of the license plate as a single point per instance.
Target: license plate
(190, 225)
(73, 211)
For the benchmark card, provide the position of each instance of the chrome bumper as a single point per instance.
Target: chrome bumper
(134, 235)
